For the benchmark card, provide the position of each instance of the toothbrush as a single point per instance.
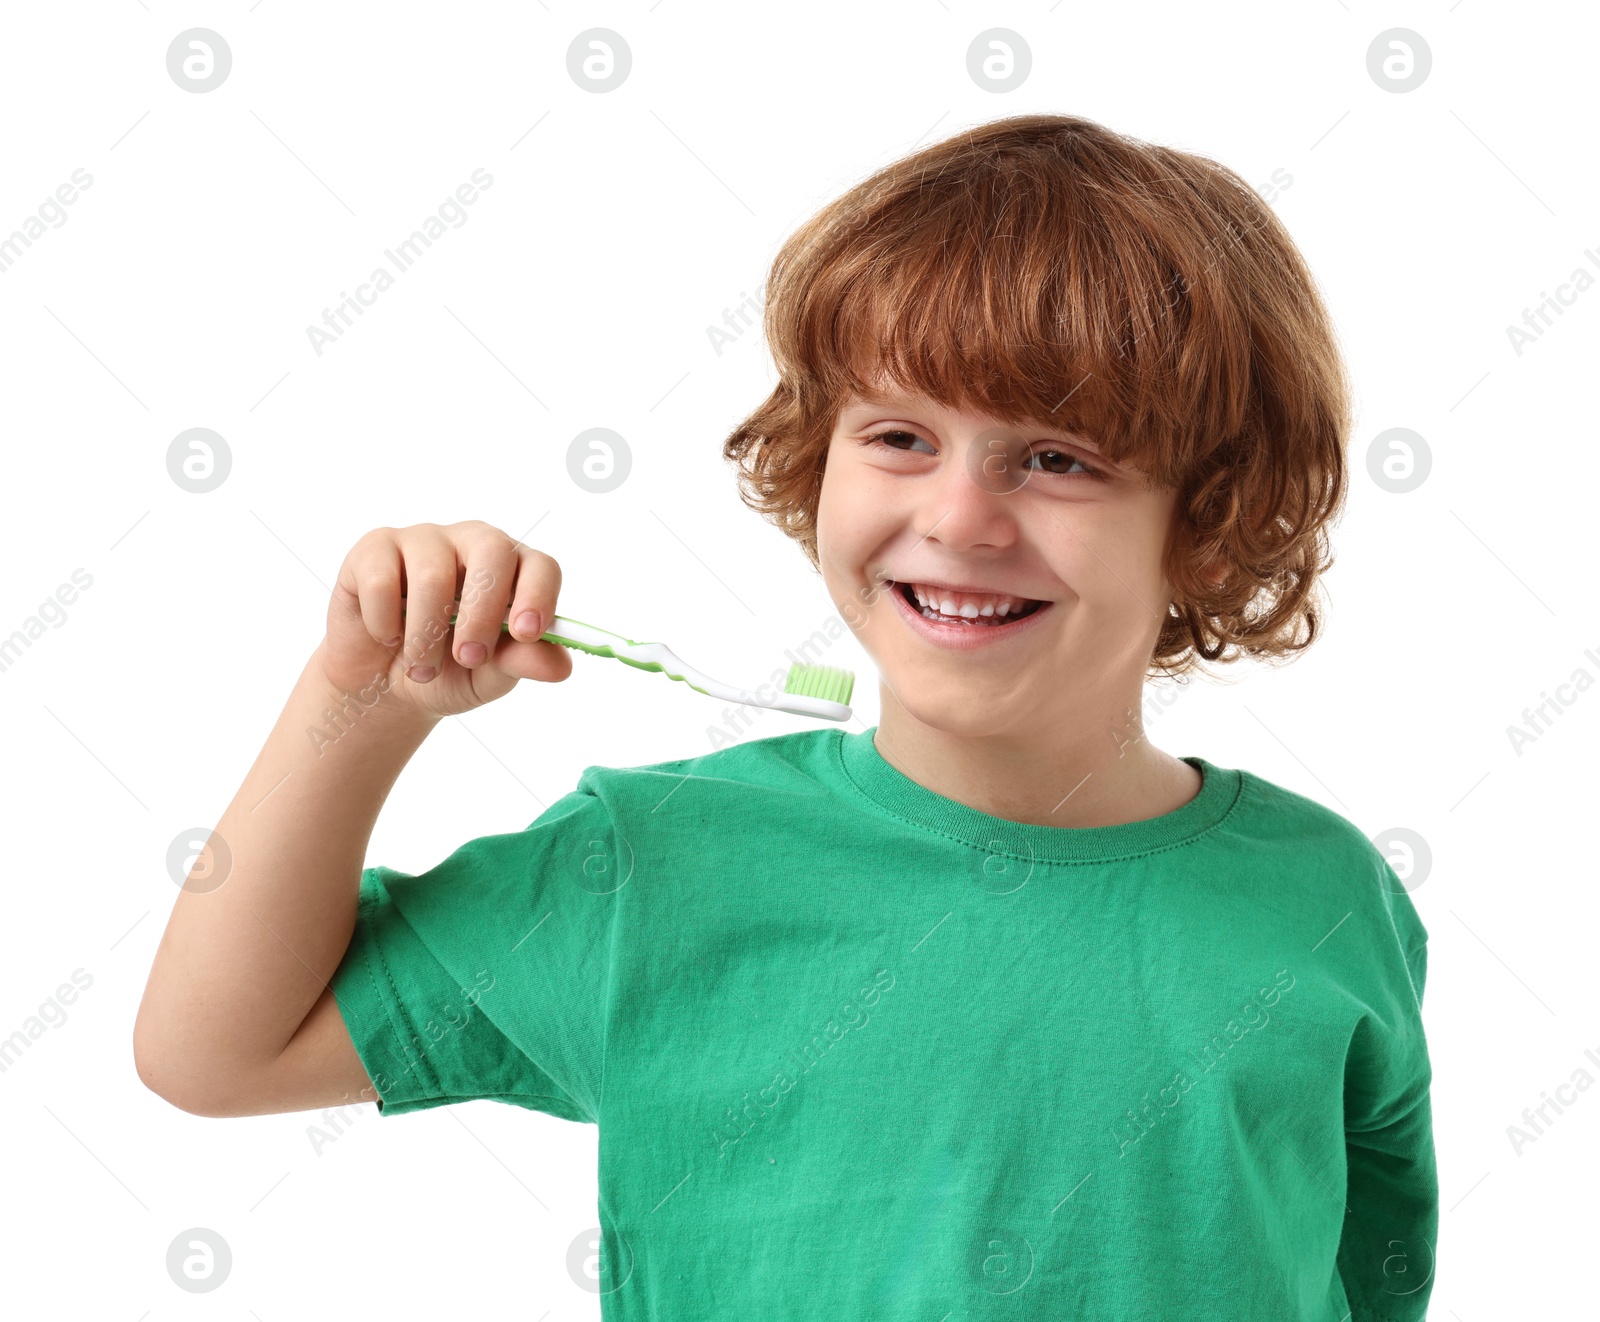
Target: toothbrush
(809, 690)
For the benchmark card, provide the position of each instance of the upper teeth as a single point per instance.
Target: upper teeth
(967, 604)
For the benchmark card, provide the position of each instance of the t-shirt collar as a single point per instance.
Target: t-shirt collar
(865, 768)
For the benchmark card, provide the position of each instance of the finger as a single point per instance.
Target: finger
(538, 585)
(431, 572)
(549, 663)
(491, 561)
(371, 575)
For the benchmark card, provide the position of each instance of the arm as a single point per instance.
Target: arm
(1386, 1254)
(236, 1017)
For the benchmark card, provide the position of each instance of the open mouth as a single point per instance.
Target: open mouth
(967, 613)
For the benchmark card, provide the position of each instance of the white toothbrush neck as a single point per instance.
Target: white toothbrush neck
(673, 665)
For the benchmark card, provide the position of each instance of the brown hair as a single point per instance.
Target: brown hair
(1044, 269)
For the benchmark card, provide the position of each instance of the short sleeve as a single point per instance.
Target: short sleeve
(489, 975)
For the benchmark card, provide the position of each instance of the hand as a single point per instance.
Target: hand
(424, 664)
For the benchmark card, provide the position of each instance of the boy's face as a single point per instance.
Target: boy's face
(961, 500)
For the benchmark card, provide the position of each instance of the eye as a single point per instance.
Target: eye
(883, 438)
(1067, 458)
(1057, 462)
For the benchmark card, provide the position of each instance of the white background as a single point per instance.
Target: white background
(578, 294)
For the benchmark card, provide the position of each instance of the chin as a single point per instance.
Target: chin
(954, 708)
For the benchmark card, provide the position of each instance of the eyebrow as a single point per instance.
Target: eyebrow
(874, 397)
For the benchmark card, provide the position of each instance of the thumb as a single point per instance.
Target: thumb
(532, 658)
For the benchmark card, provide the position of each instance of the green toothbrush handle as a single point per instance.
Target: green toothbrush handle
(554, 634)
(821, 691)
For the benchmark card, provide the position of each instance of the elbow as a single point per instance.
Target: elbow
(175, 1085)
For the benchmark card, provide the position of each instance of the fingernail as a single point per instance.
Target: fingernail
(528, 624)
(393, 642)
(472, 654)
(422, 674)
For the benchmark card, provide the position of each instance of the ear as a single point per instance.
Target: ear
(1216, 573)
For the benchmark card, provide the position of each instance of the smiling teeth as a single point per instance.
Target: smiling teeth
(967, 605)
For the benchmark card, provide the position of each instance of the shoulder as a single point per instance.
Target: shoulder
(1297, 817)
(1332, 853)
(795, 763)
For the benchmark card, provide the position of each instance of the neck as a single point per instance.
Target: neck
(1097, 771)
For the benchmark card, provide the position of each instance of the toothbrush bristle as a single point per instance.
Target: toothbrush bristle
(826, 682)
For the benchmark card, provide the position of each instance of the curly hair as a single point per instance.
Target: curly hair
(1043, 268)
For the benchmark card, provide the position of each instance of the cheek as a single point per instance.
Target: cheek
(1126, 569)
(837, 516)
(826, 505)
(833, 527)
(848, 542)
(1110, 555)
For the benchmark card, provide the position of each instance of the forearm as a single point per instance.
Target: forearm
(267, 914)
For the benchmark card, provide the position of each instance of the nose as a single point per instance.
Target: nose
(973, 501)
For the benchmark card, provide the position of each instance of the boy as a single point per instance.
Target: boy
(994, 1010)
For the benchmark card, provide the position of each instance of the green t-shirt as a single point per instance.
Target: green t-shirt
(860, 1051)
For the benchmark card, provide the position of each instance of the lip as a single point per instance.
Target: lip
(962, 637)
(957, 587)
